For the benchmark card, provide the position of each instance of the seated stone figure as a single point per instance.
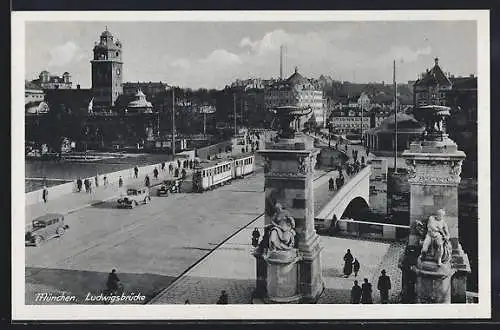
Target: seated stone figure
(281, 231)
(436, 245)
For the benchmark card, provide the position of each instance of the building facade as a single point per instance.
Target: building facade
(106, 72)
(432, 87)
(348, 121)
(297, 91)
(47, 81)
(150, 89)
(34, 99)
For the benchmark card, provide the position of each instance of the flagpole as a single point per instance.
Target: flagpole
(173, 122)
(395, 118)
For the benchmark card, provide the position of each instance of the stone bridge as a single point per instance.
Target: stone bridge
(353, 195)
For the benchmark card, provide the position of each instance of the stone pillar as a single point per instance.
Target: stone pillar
(289, 166)
(434, 167)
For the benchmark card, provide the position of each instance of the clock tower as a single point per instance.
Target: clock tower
(106, 72)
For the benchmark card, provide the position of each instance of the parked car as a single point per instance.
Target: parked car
(44, 228)
(164, 188)
(134, 197)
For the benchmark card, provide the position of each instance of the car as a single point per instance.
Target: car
(134, 197)
(164, 188)
(44, 228)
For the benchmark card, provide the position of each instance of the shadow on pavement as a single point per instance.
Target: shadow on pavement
(80, 283)
(109, 204)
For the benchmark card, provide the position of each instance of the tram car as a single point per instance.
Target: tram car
(210, 175)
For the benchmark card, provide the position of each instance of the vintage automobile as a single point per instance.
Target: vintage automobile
(44, 228)
(164, 188)
(135, 195)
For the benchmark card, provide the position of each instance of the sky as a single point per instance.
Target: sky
(213, 54)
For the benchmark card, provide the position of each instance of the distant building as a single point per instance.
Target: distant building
(150, 89)
(348, 121)
(47, 81)
(297, 91)
(106, 72)
(139, 104)
(432, 87)
(34, 99)
(381, 139)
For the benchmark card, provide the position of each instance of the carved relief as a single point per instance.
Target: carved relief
(411, 168)
(302, 165)
(456, 168)
(433, 172)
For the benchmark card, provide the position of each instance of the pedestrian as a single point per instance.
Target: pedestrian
(363, 160)
(366, 292)
(348, 259)
(155, 173)
(178, 163)
(45, 194)
(90, 187)
(191, 164)
(120, 182)
(163, 166)
(105, 180)
(330, 184)
(176, 172)
(187, 302)
(97, 180)
(170, 168)
(355, 293)
(255, 237)
(384, 285)
(79, 184)
(183, 173)
(86, 184)
(136, 172)
(146, 181)
(223, 298)
(355, 267)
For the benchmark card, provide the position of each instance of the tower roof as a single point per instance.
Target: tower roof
(434, 76)
(296, 78)
(106, 33)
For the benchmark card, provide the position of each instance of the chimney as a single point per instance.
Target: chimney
(436, 61)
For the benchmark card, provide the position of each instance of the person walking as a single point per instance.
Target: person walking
(90, 186)
(384, 285)
(86, 184)
(97, 180)
(223, 298)
(120, 182)
(178, 163)
(79, 184)
(348, 259)
(331, 184)
(170, 168)
(183, 173)
(356, 293)
(176, 172)
(155, 173)
(45, 194)
(163, 166)
(147, 181)
(136, 172)
(366, 292)
(355, 267)
(105, 181)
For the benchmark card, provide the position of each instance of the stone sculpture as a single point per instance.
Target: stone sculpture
(282, 230)
(436, 246)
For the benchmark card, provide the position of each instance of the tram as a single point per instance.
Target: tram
(210, 175)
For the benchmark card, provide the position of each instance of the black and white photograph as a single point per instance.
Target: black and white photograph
(174, 162)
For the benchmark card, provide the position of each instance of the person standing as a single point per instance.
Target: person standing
(86, 184)
(105, 180)
(90, 186)
(97, 180)
(170, 168)
(163, 166)
(45, 194)
(155, 173)
(356, 293)
(176, 172)
(223, 298)
(120, 182)
(178, 163)
(136, 172)
(146, 181)
(79, 184)
(183, 173)
(355, 266)
(348, 259)
(384, 285)
(366, 292)
(331, 183)
(255, 237)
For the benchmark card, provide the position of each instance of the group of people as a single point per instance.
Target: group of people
(363, 294)
(86, 183)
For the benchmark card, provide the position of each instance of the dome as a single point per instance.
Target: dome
(106, 34)
(139, 101)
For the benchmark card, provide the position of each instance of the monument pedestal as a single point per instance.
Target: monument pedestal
(433, 284)
(434, 166)
(294, 277)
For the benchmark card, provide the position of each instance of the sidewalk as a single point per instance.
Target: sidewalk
(78, 200)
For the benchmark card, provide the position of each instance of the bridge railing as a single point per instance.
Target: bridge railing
(367, 229)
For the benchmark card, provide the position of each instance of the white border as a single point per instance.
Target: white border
(235, 312)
